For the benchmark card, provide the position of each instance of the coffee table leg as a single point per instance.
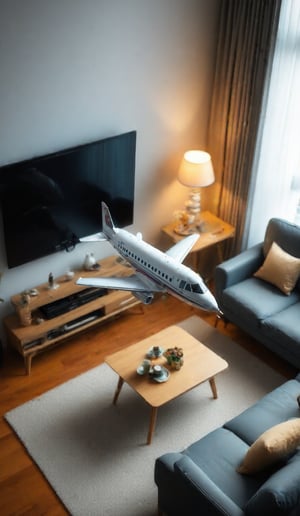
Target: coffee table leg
(213, 388)
(152, 424)
(118, 390)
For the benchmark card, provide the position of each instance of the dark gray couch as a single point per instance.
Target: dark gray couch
(256, 306)
(202, 480)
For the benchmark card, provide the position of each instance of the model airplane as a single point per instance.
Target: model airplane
(156, 271)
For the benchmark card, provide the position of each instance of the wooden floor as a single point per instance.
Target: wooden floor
(23, 489)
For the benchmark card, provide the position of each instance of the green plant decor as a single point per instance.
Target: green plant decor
(174, 357)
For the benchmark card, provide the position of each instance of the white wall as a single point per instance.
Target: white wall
(77, 70)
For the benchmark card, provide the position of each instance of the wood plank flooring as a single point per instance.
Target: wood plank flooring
(23, 489)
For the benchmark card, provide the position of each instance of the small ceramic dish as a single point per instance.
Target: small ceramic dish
(141, 370)
(151, 354)
(144, 367)
(163, 377)
(33, 292)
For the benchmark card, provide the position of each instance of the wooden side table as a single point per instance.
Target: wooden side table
(213, 231)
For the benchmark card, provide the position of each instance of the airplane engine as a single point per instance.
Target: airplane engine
(145, 297)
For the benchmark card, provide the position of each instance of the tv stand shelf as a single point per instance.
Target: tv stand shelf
(83, 310)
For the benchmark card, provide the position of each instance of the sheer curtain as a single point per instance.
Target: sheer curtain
(276, 183)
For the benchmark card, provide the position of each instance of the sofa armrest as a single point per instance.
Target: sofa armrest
(201, 493)
(238, 268)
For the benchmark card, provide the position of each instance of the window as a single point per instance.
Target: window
(196, 288)
(276, 189)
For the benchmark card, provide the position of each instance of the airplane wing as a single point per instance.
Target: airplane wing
(132, 283)
(97, 237)
(181, 249)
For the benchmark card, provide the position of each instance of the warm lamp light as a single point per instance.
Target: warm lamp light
(195, 171)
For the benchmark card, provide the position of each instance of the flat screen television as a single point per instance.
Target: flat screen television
(50, 202)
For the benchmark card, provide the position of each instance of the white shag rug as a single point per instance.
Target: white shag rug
(94, 454)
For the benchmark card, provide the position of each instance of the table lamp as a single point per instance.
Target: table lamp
(195, 171)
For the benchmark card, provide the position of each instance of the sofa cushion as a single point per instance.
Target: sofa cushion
(218, 454)
(283, 328)
(253, 300)
(280, 268)
(275, 407)
(200, 494)
(280, 494)
(273, 445)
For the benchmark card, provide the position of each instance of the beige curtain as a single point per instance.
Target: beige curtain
(247, 34)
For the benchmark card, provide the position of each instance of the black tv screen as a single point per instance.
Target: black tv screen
(50, 202)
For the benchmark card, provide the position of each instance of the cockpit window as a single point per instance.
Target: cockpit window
(191, 287)
(196, 288)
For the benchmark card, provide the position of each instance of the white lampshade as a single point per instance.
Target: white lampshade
(196, 169)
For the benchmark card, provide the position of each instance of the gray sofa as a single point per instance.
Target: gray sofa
(256, 306)
(202, 480)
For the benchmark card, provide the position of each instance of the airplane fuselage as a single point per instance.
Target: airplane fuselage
(156, 266)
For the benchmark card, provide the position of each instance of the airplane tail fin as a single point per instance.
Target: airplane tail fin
(108, 227)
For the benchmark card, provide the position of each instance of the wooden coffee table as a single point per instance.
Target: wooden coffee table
(200, 365)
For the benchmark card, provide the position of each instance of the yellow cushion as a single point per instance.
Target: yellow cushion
(280, 268)
(273, 445)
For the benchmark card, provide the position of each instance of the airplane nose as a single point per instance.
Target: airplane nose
(213, 304)
(217, 309)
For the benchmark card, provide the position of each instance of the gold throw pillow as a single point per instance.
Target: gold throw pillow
(272, 446)
(280, 268)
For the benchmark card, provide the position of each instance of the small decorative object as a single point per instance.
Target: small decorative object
(69, 275)
(184, 221)
(122, 261)
(51, 284)
(174, 357)
(33, 292)
(89, 262)
(50, 280)
(24, 311)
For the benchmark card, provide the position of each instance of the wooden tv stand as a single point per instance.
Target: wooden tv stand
(79, 308)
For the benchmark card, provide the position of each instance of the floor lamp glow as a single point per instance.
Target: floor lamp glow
(195, 171)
